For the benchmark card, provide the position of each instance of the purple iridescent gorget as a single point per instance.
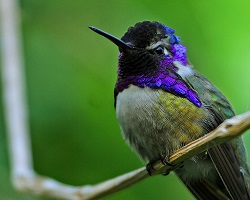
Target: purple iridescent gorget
(163, 74)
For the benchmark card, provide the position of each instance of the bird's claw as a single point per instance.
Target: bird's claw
(150, 166)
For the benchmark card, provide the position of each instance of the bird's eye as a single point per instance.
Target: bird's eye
(159, 50)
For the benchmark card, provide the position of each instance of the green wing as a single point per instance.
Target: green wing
(230, 158)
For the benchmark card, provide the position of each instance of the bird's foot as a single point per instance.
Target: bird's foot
(150, 167)
(165, 161)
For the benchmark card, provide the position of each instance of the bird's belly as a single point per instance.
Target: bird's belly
(155, 122)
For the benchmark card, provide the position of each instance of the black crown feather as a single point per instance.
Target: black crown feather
(142, 33)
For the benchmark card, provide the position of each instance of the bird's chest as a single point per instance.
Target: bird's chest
(155, 122)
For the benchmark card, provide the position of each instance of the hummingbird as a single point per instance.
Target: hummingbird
(162, 103)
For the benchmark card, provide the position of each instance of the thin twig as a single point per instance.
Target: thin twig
(14, 91)
(24, 178)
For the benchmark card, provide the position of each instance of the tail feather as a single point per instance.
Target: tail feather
(205, 190)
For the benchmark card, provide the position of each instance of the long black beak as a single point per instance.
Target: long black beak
(122, 45)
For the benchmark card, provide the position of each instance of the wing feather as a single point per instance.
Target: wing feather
(225, 159)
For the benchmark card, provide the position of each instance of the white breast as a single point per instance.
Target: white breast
(138, 120)
(134, 105)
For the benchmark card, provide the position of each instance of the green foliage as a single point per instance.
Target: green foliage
(71, 72)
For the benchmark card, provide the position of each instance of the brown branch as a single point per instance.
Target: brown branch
(227, 131)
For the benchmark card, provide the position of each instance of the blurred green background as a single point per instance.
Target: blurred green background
(71, 72)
